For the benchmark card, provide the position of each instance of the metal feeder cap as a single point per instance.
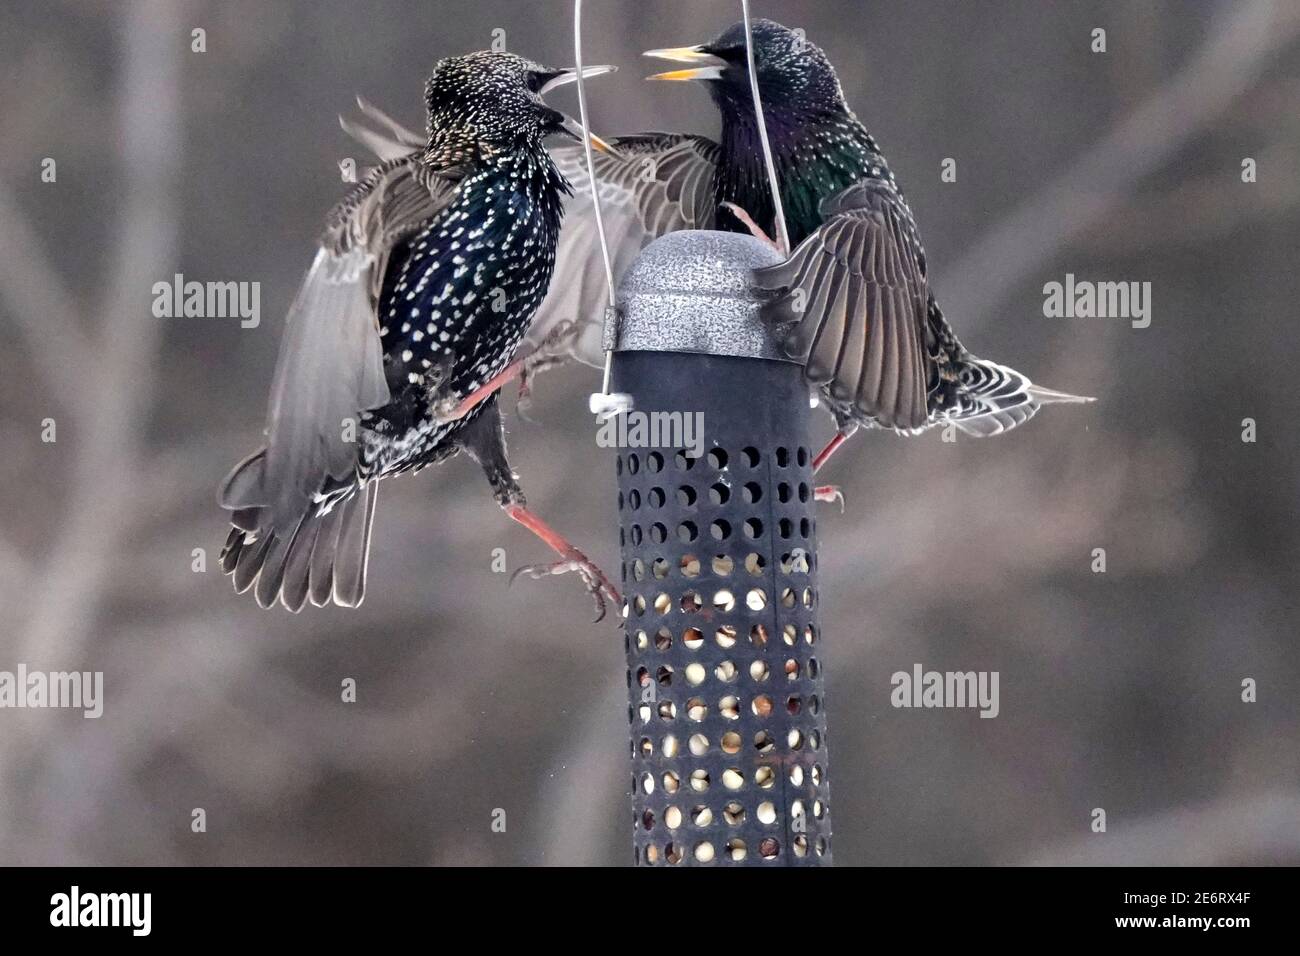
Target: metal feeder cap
(692, 291)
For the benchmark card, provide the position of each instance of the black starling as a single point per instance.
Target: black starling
(427, 277)
(853, 301)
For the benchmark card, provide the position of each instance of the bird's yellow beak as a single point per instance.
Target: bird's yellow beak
(570, 75)
(573, 128)
(602, 145)
(707, 66)
(570, 125)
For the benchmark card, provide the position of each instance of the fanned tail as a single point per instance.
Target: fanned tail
(1047, 396)
(992, 398)
(323, 556)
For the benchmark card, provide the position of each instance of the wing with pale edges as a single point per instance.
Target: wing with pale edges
(851, 303)
(330, 366)
(657, 183)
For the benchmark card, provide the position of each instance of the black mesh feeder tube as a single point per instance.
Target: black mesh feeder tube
(719, 567)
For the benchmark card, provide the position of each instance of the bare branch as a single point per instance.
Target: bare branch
(1024, 241)
(45, 312)
(110, 409)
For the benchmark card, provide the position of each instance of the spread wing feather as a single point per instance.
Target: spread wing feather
(330, 367)
(657, 183)
(850, 302)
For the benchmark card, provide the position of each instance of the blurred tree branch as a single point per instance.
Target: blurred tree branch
(45, 311)
(109, 394)
(112, 403)
(1232, 59)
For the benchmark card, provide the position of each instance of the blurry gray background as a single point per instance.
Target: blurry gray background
(1118, 690)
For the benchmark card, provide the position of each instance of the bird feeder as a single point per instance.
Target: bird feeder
(719, 566)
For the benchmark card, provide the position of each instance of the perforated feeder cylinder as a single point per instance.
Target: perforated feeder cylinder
(728, 724)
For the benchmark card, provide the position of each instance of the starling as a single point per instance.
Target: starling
(853, 302)
(427, 276)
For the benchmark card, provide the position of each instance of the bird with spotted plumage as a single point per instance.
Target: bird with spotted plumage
(853, 302)
(427, 276)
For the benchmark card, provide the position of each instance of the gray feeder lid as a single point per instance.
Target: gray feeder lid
(692, 291)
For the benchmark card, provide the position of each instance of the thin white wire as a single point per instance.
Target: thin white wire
(782, 236)
(591, 174)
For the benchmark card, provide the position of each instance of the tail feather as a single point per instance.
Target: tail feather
(353, 550)
(271, 577)
(1047, 396)
(297, 568)
(323, 556)
(992, 398)
(230, 553)
(250, 560)
(995, 423)
(321, 573)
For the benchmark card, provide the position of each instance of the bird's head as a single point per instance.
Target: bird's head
(794, 75)
(493, 101)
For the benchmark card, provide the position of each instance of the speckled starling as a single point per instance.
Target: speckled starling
(853, 301)
(427, 277)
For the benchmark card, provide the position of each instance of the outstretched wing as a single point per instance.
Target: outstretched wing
(330, 367)
(380, 133)
(851, 303)
(657, 183)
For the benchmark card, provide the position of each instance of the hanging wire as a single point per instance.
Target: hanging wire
(603, 404)
(586, 147)
(782, 235)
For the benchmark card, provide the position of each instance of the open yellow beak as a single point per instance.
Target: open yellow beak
(601, 145)
(571, 126)
(574, 129)
(570, 75)
(707, 66)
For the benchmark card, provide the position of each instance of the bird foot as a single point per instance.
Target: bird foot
(524, 397)
(754, 228)
(829, 493)
(555, 349)
(556, 342)
(598, 585)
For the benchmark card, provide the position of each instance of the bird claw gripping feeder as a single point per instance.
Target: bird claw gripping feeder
(719, 566)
